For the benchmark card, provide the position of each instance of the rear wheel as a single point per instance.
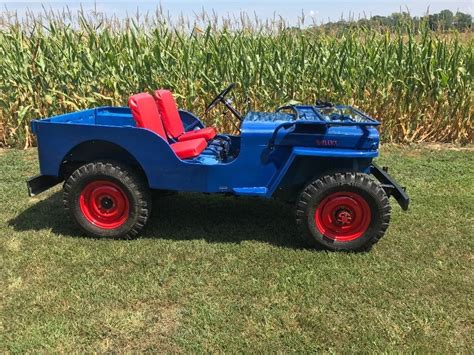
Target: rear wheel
(107, 199)
(348, 211)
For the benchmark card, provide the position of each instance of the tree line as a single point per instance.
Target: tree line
(445, 20)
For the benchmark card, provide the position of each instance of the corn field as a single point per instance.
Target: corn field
(418, 83)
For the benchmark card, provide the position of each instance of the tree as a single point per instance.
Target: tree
(463, 21)
(444, 21)
(446, 18)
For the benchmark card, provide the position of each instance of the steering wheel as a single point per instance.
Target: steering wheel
(221, 98)
(296, 114)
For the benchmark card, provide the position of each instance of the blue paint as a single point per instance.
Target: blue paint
(261, 161)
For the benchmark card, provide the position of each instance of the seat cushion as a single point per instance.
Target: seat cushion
(145, 113)
(169, 113)
(207, 133)
(189, 149)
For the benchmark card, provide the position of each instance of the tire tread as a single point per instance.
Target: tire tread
(126, 176)
(343, 179)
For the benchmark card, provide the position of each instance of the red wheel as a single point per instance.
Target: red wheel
(104, 204)
(108, 200)
(343, 216)
(344, 211)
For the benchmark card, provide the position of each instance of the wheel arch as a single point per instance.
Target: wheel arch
(93, 150)
(304, 169)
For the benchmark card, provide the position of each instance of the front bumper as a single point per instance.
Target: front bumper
(390, 186)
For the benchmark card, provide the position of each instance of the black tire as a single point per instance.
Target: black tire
(129, 191)
(319, 196)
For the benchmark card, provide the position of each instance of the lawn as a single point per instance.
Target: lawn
(214, 273)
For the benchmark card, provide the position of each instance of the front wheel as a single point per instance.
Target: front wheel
(345, 211)
(107, 199)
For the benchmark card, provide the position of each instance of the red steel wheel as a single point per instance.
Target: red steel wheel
(108, 199)
(343, 216)
(104, 204)
(343, 212)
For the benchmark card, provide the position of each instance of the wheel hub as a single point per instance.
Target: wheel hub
(104, 204)
(343, 216)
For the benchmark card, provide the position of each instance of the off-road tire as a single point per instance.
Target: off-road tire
(356, 184)
(131, 184)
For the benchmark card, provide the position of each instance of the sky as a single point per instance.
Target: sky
(320, 11)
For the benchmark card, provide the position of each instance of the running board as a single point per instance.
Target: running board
(250, 191)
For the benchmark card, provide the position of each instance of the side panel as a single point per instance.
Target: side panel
(251, 169)
(164, 170)
(162, 167)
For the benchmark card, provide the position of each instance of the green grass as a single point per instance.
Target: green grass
(230, 274)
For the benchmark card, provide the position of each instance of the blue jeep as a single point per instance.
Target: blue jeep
(318, 157)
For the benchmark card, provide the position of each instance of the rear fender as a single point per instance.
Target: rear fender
(97, 150)
(150, 151)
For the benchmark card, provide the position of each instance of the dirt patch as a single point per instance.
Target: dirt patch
(429, 146)
(448, 146)
(143, 327)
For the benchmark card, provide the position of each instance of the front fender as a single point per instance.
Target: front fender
(326, 153)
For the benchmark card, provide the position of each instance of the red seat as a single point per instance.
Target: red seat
(172, 122)
(207, 133)
(146, 115)
(189, 149)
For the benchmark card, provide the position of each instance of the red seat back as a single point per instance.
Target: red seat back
(169, 113)
(145, 113)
